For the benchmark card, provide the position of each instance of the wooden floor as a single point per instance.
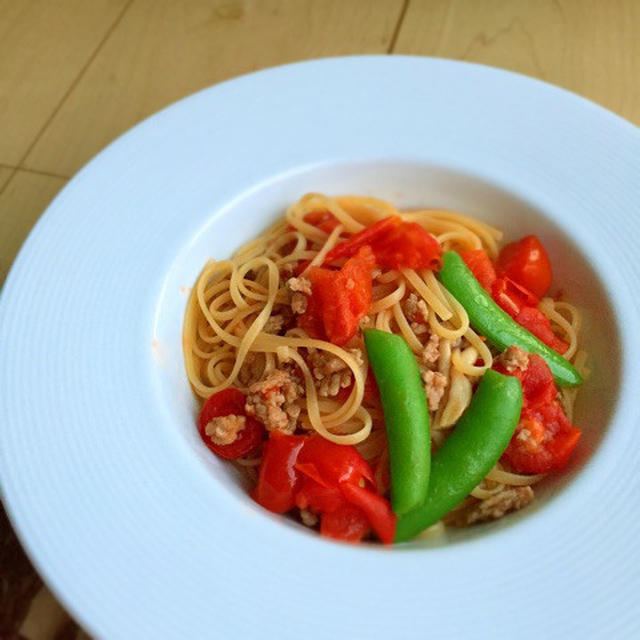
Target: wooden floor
(74, 74)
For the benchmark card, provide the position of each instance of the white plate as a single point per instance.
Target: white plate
(140, 531)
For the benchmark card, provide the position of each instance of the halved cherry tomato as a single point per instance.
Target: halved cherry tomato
(377, 509)
(322, 219)
(339, 299)
(368, 236)
(481, 266)
(537, 323)
(277, 479)
(225, 403)
(527, 263)
(511, 296)
(348, 523)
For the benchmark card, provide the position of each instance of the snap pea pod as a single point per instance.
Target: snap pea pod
(469, 453)
(406, 417)
(498, 327)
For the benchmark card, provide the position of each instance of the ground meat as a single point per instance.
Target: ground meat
(416, 309)
(274, 324)
(302, 285)
(251, 369)
(366, 321)
(225, 429)
(308, 518)
(435, 385)
(499, 504)
(299, 289)
(273, 401)
(330, 372)
(514, 359)
(431, 351)
(418, 328)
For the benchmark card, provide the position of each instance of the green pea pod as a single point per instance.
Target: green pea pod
(498, 327)
(469, 453)
(406, 417)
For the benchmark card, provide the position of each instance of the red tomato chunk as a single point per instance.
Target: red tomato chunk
(527, 263)
(544, 437)
(333, 481)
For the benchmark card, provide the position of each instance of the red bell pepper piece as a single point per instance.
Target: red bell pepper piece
(225, 403)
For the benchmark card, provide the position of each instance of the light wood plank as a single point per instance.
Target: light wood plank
(5, 174)
(590, 47)
(163, 50)
(43, 47)
(22, 202)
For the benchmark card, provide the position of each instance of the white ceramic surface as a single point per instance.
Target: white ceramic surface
(142, 532)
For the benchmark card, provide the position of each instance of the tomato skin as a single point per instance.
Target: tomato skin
(511, 296)
(554, 439)
(481, 266)
(224, 403)
(313, 473)
(339, 299)
(395, 245)
(537, 323)
(348, 523)
(527, 263)
(368, 236)
(408, 246)
(324, 220)
(277, 479)
(334, 463)
(550, 437)
(377, 509)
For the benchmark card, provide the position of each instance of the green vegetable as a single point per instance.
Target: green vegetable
(469, 453)
(406, 417)
(498, 327)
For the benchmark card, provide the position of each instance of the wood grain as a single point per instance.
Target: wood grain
(22, 201)
(44, 46)
(5, 174)
(591, 47)
(163, 50)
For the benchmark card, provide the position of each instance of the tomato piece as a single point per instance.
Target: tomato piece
(408, 246)
(511, 296)
(537, 323)
(481, 266)
(395, 244)
(538, 384)
(368, 236)
(377, 509)
(348, 523)
(277, 479)
(527, 263)
(543, 441)
(324, 220)
(225, 403)
(339, 299)
(331, 463)
(319, 497)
